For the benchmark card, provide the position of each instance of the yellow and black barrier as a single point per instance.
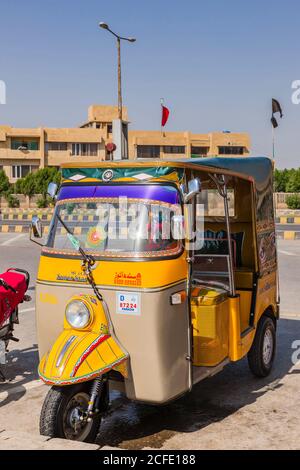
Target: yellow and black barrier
(287, 220)
(24, 228)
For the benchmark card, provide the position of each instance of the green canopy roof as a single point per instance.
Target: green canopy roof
(259, 168)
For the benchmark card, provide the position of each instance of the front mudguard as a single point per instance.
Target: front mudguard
(81, 355)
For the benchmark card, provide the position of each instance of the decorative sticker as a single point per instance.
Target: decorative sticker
(128, 303)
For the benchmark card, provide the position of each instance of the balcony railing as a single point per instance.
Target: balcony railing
(19, 154)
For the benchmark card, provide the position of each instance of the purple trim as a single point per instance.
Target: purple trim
(157, 193)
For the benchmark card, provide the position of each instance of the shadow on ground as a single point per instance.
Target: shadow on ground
(134, 425)
(21, 368)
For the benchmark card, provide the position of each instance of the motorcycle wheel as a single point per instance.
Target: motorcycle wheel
(61, 412)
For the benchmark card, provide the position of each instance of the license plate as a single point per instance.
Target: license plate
(128, 303)
(2, 353)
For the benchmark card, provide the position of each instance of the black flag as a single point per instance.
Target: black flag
(276, 108)
(274, 122)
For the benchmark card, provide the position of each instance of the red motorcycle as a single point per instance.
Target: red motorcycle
(13, 286)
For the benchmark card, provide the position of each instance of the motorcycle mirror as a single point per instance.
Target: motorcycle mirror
(194, 188)
(36, 227)
(52, 190)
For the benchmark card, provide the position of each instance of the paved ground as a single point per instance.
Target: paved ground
(230, 410)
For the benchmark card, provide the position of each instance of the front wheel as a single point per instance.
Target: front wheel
(262, 353)
(63, 411)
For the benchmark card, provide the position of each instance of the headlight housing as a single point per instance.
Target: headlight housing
(78, 314)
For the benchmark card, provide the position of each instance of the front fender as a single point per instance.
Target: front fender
(81, 355)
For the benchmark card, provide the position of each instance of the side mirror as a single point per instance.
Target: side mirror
(194, 188)
(36, 227)
(52, 190)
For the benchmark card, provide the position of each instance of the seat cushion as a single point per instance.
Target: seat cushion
(203, 295)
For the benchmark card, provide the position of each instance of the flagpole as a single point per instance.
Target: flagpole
(273, 142)
(161, 104)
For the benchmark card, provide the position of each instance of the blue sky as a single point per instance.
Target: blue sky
(217, 63)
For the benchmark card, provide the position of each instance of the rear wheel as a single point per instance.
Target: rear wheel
(262, 353)
(63, 411)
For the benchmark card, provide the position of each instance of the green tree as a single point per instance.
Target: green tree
(26, 186)
(4, 183)
(293, 184)
(43, 177)
(281, 178)
(18, 186)
(29, 185)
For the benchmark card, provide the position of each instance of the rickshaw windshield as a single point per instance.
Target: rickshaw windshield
(117, 221)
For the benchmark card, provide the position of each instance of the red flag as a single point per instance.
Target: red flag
(164, 115)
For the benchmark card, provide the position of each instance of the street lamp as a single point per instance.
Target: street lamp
(119, 39)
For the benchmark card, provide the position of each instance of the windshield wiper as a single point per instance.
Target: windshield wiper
(88, 260)
(75, 242)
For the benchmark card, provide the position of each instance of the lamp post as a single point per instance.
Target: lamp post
(119, 39)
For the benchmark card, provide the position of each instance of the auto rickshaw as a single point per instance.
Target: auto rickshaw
(154, 276)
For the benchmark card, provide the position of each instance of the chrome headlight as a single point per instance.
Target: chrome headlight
(77, 314)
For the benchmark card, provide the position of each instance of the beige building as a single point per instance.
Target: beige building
(25, 150)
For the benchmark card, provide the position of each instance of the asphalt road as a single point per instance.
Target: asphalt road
(229, 410)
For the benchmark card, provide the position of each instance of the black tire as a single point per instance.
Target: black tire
(262, 353)
(55, 415)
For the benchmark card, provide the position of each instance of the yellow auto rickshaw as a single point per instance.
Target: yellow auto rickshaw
(154, 276)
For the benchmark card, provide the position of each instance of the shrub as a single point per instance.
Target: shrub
(12, 200)
(293, 201)
(42, 202)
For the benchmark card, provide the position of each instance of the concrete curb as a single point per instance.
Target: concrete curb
(15, 229)
(11, 440)
(287, 235)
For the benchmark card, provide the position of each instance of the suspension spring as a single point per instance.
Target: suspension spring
(96, 390)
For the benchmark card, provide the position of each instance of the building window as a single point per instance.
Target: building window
(231, 150)
(20, 171)
(199, 151)
(18, 144)
(56, 146)
(148, 151)
(175, 149)
(109, 128)
(85, 150)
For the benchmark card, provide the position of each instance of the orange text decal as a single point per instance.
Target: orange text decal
(128, 279)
